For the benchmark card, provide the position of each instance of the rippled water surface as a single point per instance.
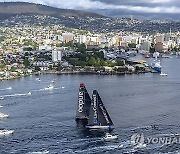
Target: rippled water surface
(43, 120)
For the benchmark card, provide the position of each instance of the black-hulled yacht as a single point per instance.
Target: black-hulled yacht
(99, 118)
(83, 107)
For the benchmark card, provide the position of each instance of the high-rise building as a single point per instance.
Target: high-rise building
(159, 39)
(56, 56)
(145, 46)
(159, 47)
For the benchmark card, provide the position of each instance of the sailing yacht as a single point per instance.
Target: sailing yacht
(99, 118)
(84, 103)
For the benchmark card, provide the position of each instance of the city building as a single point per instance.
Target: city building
(56, 56)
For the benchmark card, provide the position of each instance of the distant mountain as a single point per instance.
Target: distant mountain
(22, 13)
(8, 9)
(137, 15)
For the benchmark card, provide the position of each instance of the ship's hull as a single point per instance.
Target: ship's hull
(156, 66)
(82, 122)
(158, 69)
(100, 128)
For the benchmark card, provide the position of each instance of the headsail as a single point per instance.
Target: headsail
(84, 102)
(98, 116)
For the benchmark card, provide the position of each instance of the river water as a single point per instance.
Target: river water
(43, 120)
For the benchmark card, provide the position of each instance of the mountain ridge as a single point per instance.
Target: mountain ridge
(31, 14)
(16, 8)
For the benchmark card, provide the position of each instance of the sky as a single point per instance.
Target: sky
(139, 6)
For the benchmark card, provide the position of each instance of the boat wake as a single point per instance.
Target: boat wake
(39, 152)
(16, 95)
(60, 87)
(9, 88)
(50, 87)
(38, 90)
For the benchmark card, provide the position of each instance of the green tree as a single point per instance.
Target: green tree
(80, 47)
(37, 68)
(28, 49)
(120, 63)
(92, 61)
(152, 50)
(132, 45)
(59, 67)
(2, 38)
(26, 62)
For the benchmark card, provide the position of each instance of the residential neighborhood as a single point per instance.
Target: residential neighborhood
(29, 49)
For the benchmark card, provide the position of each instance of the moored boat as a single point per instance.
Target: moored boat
(156, 66)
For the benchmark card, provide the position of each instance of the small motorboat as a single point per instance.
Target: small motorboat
(2, 115)
(29, 93)
(140, 145)
(109, 137)
(38, 79)
(53, 81)
(43, 152)
(163, 74)
(1, 106)
(50, 87)
(147, 56)
(9, 88)
(5, 132)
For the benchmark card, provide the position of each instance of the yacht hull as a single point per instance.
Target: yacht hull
(100, 128)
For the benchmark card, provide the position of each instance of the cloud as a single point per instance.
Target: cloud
(141, 6)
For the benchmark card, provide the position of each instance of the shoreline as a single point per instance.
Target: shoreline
(93, 72)
(79, 73)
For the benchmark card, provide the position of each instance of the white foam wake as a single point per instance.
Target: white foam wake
(15, 95)
(9, 88)
(40, 152)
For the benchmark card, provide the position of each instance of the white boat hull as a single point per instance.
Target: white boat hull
(99, 127)
(49, 88)
(5, 132)
(163, 74)
(3, 115)
(110, 139)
